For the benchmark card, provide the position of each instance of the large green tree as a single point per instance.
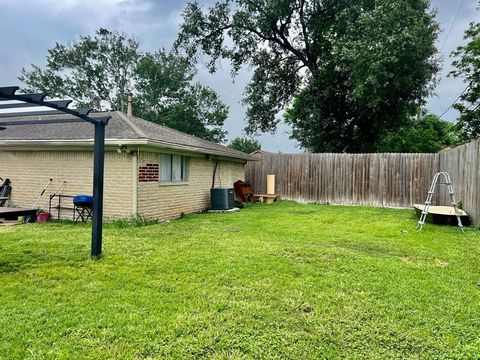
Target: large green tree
(98, 71)
(349, 71)
(467, 67)
(245, 144)
(428, 134)
(95, 71)
(169, 95)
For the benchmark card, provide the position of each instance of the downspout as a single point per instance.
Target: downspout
(214, 173)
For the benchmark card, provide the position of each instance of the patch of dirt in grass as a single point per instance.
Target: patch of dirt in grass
(441, 263)
(307, 309)
(422, 261)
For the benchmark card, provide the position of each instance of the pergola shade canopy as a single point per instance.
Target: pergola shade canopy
(35, 100)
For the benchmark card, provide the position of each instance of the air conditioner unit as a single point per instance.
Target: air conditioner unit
(222, 198)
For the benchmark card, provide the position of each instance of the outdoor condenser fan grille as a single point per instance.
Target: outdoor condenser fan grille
(222, 198)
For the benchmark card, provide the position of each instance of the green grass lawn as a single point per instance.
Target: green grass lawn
(286, 281)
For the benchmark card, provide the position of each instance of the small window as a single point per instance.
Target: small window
(173, 168)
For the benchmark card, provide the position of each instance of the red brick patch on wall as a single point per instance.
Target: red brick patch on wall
(149, 172)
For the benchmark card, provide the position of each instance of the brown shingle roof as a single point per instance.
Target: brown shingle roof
(120, 127)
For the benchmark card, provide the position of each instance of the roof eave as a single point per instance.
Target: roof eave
(85, 143)
(175, 146)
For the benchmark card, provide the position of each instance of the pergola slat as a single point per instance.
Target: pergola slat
(8, 90)
(44, 122)
(29, 113)
(35, 97)
(59, 103)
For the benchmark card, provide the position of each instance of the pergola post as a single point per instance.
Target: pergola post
(98, 173)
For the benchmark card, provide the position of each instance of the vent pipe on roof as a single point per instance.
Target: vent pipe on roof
(129, 105)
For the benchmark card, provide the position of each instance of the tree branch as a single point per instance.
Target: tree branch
(278, 37)
(220, 30)
(283, 41)
(306, 39)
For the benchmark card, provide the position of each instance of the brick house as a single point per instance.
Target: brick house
(150, 170)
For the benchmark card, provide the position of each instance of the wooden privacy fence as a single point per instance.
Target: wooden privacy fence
(463, 165)
(394, 180)
(356, 179)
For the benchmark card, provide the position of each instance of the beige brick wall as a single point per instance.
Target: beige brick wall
(29, 172)
(159, 201)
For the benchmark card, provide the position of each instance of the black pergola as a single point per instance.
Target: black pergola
(61, 107)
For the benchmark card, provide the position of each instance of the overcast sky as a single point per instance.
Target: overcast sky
(30, 27)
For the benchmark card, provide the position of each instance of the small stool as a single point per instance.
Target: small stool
(82, 208)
